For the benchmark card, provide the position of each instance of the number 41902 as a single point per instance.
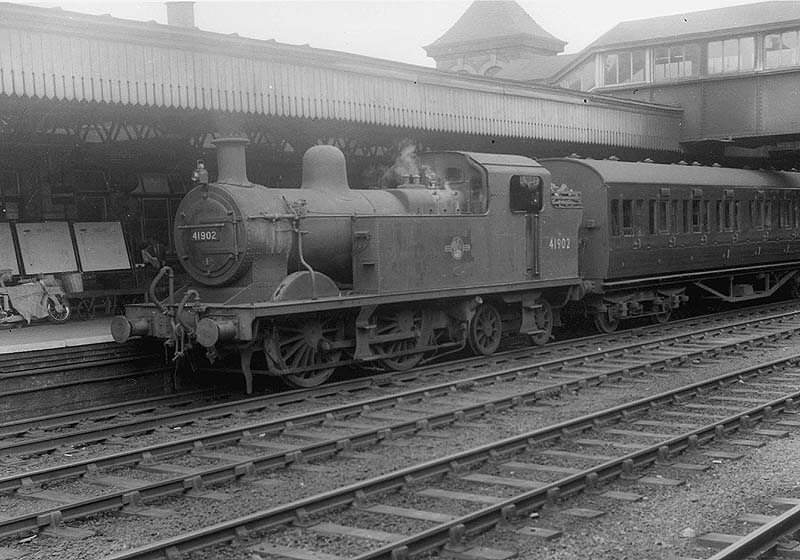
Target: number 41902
(204, 236)
(559, 243)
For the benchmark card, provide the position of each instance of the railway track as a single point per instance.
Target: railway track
(577, 369)
(257, 436)
(44, 383)
(776, 535)
(48, 381)
(469, 484)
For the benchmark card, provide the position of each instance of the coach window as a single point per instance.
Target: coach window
(638, 217)
(768, 214)
(728, 216)
(662, 222)
(627, 217)
(674, 219)
(616, 229)
(686, 217)
(706, 215)
(697, 223)
(757, 213)
(652, 211)
(719, 215)
(786, 214)
(796, 212)
(526, 193)
(737, 216)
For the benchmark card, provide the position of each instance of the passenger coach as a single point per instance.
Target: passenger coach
(654, 234)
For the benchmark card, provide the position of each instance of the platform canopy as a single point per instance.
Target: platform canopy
(63, 56)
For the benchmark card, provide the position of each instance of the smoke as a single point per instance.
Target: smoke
(407, 164)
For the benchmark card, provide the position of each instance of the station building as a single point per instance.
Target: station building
(733, 71)
(102, 120)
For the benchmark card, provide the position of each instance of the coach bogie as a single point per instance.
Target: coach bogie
(609, 310)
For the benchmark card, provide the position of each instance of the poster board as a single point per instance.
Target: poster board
(8, 254)
(101, 246)
(46, 247)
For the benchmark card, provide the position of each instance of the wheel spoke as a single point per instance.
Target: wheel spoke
(300, 358)
(485, 330)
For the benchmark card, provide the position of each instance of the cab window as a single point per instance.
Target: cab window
(526, 193)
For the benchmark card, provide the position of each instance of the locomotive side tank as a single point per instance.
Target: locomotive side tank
(299, 281)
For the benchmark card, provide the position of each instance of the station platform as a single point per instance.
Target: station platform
(46, 335)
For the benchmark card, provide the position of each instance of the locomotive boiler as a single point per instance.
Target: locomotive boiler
(296, 282)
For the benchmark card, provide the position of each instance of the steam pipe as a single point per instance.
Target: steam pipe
(164, 270)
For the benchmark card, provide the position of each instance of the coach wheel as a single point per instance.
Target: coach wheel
(485, 330)
(58, 312)
(301, 351)
(794, 288)
(662, 316)
(404, 329)
(544, 320)
(605, 324)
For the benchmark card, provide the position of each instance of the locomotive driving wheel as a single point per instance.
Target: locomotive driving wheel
(304, 351)
(403, 328)
(485, 330)
(605, 324)
(544, 320)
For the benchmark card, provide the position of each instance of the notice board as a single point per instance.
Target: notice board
(8, 254)
(46, 247)
(101, 246)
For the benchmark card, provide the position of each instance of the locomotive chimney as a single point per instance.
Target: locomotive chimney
(231, 161)
(180, 14)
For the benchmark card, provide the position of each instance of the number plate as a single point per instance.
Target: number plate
(204, 235)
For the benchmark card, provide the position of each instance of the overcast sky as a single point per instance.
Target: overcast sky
(395, 30)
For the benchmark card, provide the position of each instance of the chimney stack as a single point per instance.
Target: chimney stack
(231, 161)
(180, 14)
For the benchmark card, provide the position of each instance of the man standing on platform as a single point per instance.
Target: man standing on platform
(154, 253)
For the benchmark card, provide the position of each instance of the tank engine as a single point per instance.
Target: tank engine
(300, 281)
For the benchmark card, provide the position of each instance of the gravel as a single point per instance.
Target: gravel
(650, 528)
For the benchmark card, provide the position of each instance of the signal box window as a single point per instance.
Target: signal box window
(526, 193)
(675, 62)
(732, 55)
(624, 68)
(781, 49)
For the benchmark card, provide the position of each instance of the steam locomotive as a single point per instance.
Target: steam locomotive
(297, 282)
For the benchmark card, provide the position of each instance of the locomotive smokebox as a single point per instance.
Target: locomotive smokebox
(231, 161)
